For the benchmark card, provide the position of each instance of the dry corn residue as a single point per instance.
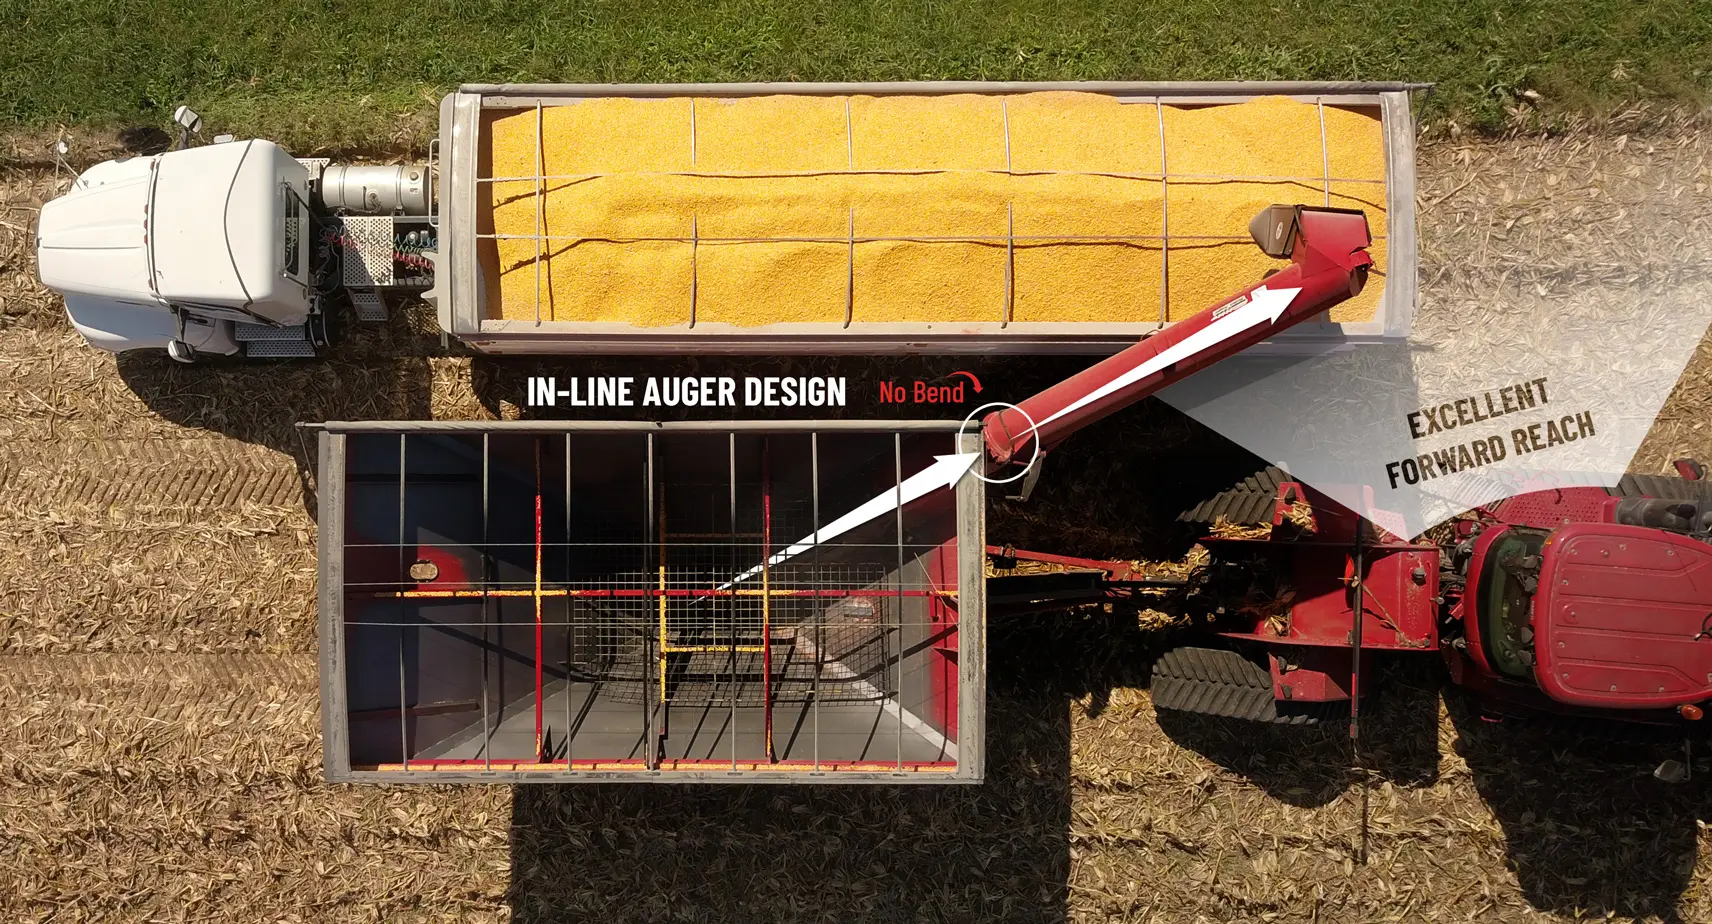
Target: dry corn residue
(963, 209)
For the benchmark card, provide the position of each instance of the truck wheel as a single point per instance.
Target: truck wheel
(1216, 681)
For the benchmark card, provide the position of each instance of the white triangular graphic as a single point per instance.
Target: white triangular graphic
(1526, 369)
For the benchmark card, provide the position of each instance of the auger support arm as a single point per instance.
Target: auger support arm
(1328, 256)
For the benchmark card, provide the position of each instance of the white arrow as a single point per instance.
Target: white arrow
(945, 472)
(1263, 306)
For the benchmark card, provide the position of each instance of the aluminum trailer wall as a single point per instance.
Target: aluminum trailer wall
(464, 286)
(560, 602)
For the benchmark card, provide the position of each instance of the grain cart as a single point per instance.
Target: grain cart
(708, 601)
(757, 218)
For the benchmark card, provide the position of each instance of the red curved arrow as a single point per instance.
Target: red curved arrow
(974, 381)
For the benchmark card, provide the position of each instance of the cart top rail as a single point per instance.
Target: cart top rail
(1175, 90)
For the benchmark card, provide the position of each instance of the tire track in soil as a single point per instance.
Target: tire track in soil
(153, 712)
(160, 685)
(213, 473)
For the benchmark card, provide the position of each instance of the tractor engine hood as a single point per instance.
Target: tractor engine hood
(1623, 617)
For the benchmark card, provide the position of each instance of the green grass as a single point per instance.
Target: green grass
(344, 72)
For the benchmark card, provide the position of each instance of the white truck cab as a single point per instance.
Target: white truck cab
(183, 250)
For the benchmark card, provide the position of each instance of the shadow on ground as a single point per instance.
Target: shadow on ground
(997, 851)
(1588, 830)
(375, 372)
(1313, 765)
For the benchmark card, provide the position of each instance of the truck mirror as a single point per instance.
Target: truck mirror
(187, 118)
(189, 123)
(1274, 230)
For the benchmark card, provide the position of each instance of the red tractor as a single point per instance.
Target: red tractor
(1575, 600)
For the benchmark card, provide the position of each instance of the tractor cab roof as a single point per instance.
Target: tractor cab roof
(1623, 617)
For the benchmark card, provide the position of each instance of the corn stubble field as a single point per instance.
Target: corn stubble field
(159, 754)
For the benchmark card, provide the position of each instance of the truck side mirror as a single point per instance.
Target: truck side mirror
(1274, 230)
(189, 123)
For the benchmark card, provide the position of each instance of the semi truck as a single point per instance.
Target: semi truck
(859, 218)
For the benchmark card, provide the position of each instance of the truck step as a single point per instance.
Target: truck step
(370, 306)
(255, 333)
(1213, 681)
(278, 349)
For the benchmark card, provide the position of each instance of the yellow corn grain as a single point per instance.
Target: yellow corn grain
(1070, 282)
(902, 281)
(1356, 147)
(957, 132)
(771, 134)
(1083, 132)
(787, 283)
(629, 182)
(1272, 136)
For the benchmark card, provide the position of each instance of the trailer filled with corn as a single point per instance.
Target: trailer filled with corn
(751, 218)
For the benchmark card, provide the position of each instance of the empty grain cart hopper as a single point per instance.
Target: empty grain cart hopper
(898, 217)
(562, 601)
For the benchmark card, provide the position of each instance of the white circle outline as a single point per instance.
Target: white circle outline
(1032, 428)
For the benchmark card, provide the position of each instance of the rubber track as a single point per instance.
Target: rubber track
(1248, 503)
(1212, 681)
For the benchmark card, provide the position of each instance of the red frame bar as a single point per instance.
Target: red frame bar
(647, 592)
(766, 589)
(684, 764)
(539, 654)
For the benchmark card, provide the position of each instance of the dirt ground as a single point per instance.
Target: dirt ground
(159, 736)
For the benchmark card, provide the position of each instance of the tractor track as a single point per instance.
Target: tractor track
(223, 688)
(162, 714)
(1219, 682)
(213, 473)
